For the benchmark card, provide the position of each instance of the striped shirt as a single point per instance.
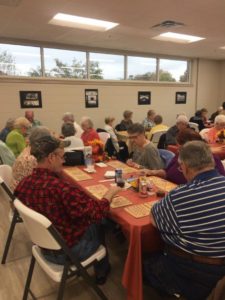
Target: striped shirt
(192, 217)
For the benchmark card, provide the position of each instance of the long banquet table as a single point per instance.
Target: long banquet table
(218, 149)
(141, 234)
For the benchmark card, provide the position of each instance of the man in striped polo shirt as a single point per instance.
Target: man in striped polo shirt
(191, 221)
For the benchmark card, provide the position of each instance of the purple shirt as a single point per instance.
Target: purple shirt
(174, 174)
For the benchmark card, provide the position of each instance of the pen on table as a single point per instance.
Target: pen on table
(105, 180)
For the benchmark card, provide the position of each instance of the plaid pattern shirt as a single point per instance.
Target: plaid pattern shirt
(70, 210)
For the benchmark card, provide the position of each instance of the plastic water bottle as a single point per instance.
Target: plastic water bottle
(88, 156)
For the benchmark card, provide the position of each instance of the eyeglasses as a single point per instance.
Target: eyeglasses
(130, 137)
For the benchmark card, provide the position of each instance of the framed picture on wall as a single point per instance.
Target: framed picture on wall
(91, 98)
(30, 99)
(144, 98)
(181, 98)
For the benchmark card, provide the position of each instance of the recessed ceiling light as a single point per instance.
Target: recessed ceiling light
(177, 38)
(223, 48)
(81, 22)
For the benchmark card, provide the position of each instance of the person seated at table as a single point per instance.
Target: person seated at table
(216, 113)
(29, 115)
(181, 123)
(173, 172)
(91, 138)
(149, 122)
(145, 154)
(191, 222)
(110, 129)
(126, 122)
(6, 155)
(212, 134)
(25, 162)
(16, 138)
(113, 147)
(69, 134)
(68, 117)
(158, 126)
(6, 130)
(197, 118)
(89, 133)
(74, 213)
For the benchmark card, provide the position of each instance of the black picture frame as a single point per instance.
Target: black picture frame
(30, 99)
(91, 98)
(144, 98)
(181, 98)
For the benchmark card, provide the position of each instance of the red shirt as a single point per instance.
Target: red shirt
(67, 207)
(88, 136)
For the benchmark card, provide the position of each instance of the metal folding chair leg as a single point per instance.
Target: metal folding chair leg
(29, 277)
(15, 220)
(63, 282)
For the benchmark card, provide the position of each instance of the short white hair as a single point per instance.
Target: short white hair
(68, 117)
(88, 121)
(182, 119)
(219, 119)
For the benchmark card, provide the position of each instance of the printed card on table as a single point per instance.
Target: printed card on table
(78, 174)
(98, 190)
(162, 184)
(119, 165)
(138, 210)
(120, 201)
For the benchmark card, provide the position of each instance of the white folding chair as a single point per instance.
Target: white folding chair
(194, 126)
(104, 136)
(75, 142)
(156, 136)
(5, 180)
(44, 235)
(6, 174)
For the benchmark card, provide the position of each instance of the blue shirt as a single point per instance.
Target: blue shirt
(192, 216)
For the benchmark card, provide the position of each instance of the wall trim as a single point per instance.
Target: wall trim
(66, 81)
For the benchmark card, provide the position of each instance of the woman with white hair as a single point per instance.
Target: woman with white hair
(16, 138)
(219, 125)
(181, 123)
(68, 117)
(89, 134)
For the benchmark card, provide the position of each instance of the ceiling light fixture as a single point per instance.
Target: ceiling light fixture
(81, 22)
(177, 38)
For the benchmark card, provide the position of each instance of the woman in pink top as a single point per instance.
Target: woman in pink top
(89, 134)
(212, 134)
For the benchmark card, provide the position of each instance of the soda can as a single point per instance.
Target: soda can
(118, 175)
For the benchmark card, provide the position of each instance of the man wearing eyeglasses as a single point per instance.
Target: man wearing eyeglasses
(75, 214)
(191, 221)
(145, 154)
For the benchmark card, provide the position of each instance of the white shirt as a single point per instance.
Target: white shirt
(78, 129)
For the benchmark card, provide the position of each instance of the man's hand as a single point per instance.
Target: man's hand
(112, 192)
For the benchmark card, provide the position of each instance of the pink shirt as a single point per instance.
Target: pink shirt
(212, 135)
(90, 135)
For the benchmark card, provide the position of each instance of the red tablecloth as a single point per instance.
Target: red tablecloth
(217, 149)
(141, 234)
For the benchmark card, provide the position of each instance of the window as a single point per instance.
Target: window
(106, 66)
(61, 63)
(65, 63)
(173, 70)
(141, 68)
(20, 60)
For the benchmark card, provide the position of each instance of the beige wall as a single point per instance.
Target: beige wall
(114, 97)
(222, 82)
(208, 84)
